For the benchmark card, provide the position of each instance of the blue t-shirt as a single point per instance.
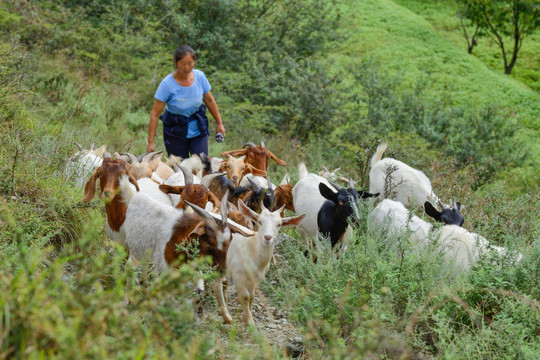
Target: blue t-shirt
(184, 100)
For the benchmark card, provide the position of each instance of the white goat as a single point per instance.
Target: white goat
(248, 258)
(152, 229)
(396, 180)
(458, 245)
(80, 166)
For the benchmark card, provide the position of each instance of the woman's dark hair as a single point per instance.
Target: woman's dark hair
(183, 51)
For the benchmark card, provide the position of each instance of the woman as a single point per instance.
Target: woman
(185, 125)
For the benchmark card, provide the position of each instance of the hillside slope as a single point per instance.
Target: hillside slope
(407, 44)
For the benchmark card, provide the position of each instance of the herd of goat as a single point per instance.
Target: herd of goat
(156, 209)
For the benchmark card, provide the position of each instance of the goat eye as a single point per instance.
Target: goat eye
(341, 203)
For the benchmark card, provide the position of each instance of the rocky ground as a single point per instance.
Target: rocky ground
(272, 323)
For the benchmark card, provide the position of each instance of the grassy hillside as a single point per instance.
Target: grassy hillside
(443, 16)
(313, 91)
(409, 46)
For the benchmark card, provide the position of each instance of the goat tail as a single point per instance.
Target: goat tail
(127, 190)
(302, 170)
(378, 154)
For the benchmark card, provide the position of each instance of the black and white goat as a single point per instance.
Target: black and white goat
(329, 208)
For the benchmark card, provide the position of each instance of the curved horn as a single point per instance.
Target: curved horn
(79, 146)
(188, 176)
(254, 185)
(269, 182)
(210, 177)
(249, 144)
(263, 145)
(141, 157)
(204, 158)
(351, 183)
(443, 206)
(335, 185)
(132, 158)
(224, 207)
(122, 156)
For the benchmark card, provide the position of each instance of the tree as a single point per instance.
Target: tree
(501, 19)
(463, 11)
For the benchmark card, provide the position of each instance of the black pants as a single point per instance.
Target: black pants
(187, 147)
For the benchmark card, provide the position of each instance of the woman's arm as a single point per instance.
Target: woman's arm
(210, 103)
(157, 109)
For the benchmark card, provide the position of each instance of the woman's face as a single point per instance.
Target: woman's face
(186, 64)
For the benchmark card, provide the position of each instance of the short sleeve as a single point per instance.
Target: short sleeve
(205, 84)
(162, 93)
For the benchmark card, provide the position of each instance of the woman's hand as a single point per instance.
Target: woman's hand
(220, 129)
(210, 103)
(157, 109)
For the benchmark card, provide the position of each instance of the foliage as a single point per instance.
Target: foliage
(513, 18)
(384, 297)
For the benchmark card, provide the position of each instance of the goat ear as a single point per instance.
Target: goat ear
(198, 230)
(365, 194)
(234, 152)
(431, 211)
(133, 180)
(90, 187)
(100, 150)
(154, 163)
(271, 155)
(171, 189)
(208, 219)
(247, 212)
(257, 172)
(239, 230)
(286, 179)
(214, 200)
(293, 221)
(327, 193)
(222, 167)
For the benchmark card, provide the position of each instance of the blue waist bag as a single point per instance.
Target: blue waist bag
(177, 125)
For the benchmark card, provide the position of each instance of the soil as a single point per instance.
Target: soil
(272, 323)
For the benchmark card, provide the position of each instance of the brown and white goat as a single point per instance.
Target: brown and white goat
(197, 194)
(155, 231)
(108, 175)
(235, 169)
(256, 155)
(283, 195)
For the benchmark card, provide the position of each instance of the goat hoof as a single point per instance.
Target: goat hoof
(227, 320)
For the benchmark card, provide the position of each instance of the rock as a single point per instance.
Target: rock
(293, 350)
(299, 340)
(271, 326)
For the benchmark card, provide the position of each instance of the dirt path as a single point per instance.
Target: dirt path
(271, 322)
